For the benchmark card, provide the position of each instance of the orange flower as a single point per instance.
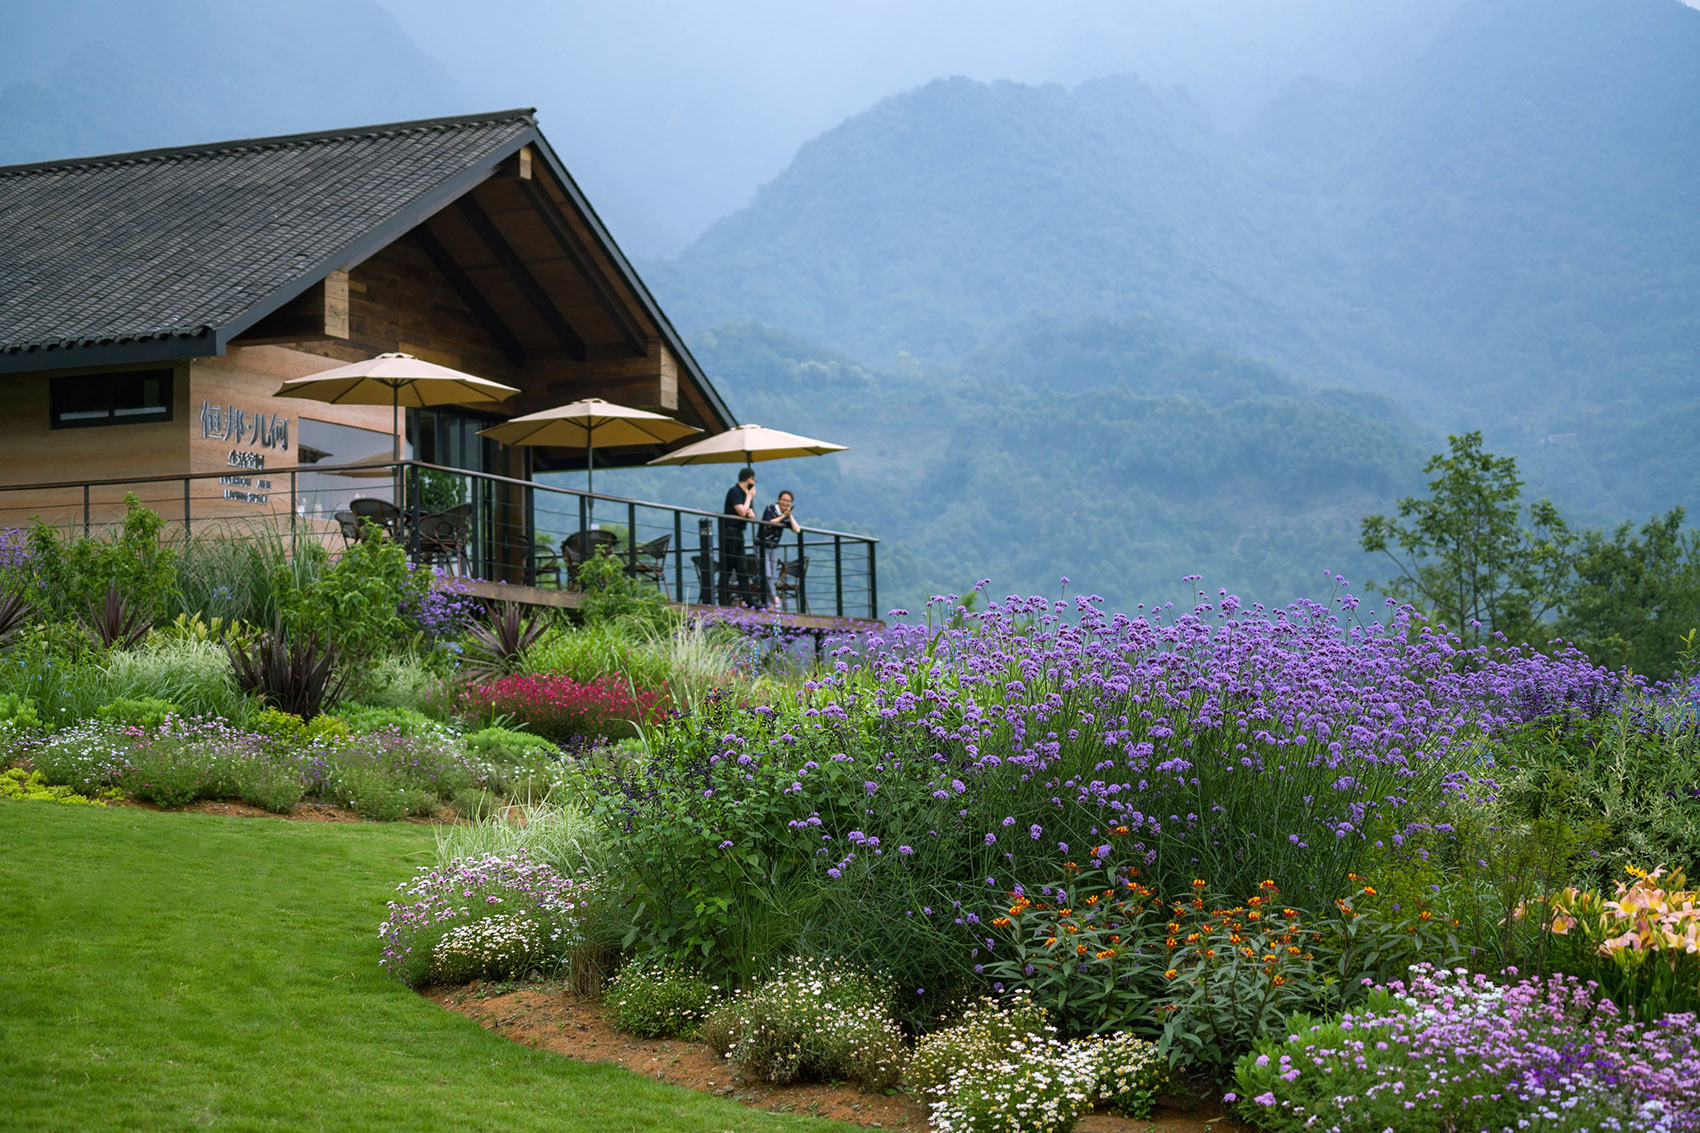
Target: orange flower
(1001, 922)
(1254, 916)
(1292, 949)
(1081, 949)
(1106, 954)
(1198, 883)
(1050, 940)
(1171, 973)
(1424, 915)
(1172, 943)
(1092, 900)
(1278, 980)
(1290, 913)
(1368, 892)
(1192, 938)
(1065, 912)
(1267, 885)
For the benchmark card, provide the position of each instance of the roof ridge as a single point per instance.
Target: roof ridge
(279, 141)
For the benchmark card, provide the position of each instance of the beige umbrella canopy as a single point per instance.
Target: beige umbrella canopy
(746, 444)
(586, 424)
(399, 379)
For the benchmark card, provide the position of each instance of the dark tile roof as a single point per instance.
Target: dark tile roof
(164, 246)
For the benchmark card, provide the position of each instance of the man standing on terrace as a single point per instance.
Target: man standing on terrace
(740, 507)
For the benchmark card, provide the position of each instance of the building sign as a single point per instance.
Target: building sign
(238, 426)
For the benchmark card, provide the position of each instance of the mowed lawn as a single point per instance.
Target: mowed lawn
(183, 971)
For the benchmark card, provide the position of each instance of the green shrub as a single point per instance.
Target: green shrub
(378, 718)
(518, 763)
(1621, 783)
(356, 601)
(820, 1020)
(288, 730)
(373, 794)
(147, 712)
(654, 999)
(271, 786)
(75, 573)
(611, 594)
(161, 775)
(18, 713)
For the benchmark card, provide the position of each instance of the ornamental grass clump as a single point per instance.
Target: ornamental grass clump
(488, 917)
(656, 999)
(1451, 1051)
(812, 1020)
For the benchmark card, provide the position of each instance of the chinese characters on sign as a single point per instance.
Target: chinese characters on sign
(239, 427)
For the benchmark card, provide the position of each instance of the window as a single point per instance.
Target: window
(109, 399)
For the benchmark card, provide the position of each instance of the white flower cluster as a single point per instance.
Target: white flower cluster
(491, 947)
(1040, 1085)
(813, 1019)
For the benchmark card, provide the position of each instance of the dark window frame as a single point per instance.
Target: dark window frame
(81, 393)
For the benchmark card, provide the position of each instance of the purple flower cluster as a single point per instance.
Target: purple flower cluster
(1455, 1051)
(14, 549)
(447, 609)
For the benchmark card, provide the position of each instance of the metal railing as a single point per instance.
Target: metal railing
(496, 528)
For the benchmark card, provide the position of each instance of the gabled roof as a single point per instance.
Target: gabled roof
(171, 253)
(183, 243)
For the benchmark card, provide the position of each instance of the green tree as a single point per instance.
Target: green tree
(1465, 556)
(1635, 596)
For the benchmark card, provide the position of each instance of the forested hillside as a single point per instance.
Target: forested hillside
(1123, 460)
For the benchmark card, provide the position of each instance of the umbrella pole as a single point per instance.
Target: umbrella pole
(590, 473)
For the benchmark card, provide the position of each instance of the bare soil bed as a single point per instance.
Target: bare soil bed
(551, 1017)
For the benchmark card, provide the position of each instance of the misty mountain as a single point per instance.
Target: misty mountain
(1499, 232)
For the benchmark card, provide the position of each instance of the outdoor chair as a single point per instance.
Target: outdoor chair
(350, 525)
(579, 546)
(385, 514)
(442, 536)
(792, 582)
(652, 560)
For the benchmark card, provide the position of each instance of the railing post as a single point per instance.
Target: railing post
(679, 555)
(873, 585)
(294, 504)
(705, 572)
(410, 516)
(802, 573)
(631, 538)
(530, 530)
(838, 570)
(185, 509)
(85, 511)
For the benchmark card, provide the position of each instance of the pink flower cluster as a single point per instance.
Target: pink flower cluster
(560, 708)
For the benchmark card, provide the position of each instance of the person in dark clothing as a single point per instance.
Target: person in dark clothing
(736, 572)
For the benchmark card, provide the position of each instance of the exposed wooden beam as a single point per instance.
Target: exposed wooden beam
(586, 265)
(651, 382)
(522, 277)
(319, 313)
(470, 295)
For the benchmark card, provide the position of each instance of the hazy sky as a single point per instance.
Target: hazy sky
(679, 110)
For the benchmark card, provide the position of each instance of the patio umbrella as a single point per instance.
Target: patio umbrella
(585, 424)
(747, 444)
(400, 379)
